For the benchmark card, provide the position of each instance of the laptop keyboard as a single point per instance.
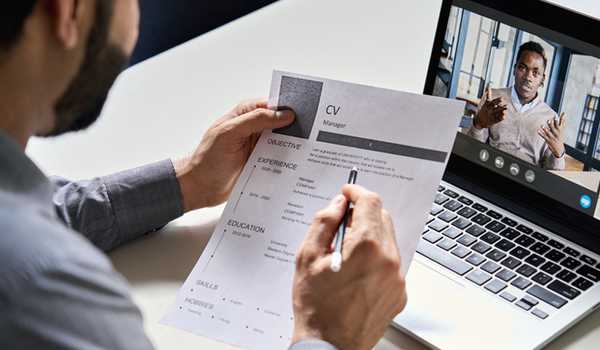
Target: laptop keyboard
(524, 267)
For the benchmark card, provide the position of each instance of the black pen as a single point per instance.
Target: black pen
(336, 257)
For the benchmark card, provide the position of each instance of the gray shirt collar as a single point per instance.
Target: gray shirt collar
(20, 177)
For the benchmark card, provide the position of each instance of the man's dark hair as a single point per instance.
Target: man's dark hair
(532, 46)
(12, 19)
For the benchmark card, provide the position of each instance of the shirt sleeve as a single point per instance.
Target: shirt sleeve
(118, 208)
(312, 344)
(550, 162)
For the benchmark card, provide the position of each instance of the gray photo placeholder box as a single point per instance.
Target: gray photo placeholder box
(303, 97)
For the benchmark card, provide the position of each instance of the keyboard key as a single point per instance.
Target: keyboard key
(505, 245)
(566, 276)
(541, 278)
(525, 229)
(446, 244)
(570, 263)
(511, 262)
(448, 261)
(495, 226)
(539, 236)
(509, 222)
(447, 216)
(475, 259)
(481, 247)
(461, 223)
(467, 212)
(453, 205)
(572, 252)
(490, 267)
(432, 237)
(510, 233)
(563, 289)
(479, 207)
(506, 275)
(496, 255)
(461, 251)
(430, 219)
(466, 240)
(523, 305)
(539, 313)
(490, 238)
(540, 248)
(521, 283)
(465, 200)
(586, 259)
(546, 296)
(550, 268)
(525, 241)
(494, 214)
(451, 193)
(441, 188)
(495, 286)
(508, 296)
(452, 232)
(478, 277)
(526, 270)
(555, 244)
(436, 210)
(440, 199)
(535, 260)
(481, 219)
(529, 300)
(520, 252)
(589, 272)
(554, 255)
(476, 230)
(582, 283)
(438, 225)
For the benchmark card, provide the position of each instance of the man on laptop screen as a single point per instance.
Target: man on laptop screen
(515, 120)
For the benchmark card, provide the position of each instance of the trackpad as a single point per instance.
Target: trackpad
(451, 314)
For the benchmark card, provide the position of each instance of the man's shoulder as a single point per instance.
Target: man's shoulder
(33, 243)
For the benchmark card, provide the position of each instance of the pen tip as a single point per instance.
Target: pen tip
(354, 168)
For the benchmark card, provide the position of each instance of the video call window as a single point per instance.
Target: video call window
(480, 53)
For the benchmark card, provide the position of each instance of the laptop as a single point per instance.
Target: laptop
(510, 255)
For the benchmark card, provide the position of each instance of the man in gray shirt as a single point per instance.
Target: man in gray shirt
(58, 60)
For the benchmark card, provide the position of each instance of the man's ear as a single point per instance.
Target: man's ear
(543, 80)
(68, 19)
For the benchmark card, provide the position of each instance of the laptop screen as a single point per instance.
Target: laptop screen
(532, 101)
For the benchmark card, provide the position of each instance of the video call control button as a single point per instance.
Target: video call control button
(514, 169)
(484, 155)
(530, 176)
(499, 162)
(585, 201)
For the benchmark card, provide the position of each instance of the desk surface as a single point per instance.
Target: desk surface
(160, 109)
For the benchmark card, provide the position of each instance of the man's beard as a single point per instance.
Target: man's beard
(82, 102)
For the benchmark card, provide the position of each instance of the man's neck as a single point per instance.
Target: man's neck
(523, 100)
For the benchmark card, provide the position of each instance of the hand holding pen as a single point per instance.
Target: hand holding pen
(370, 285)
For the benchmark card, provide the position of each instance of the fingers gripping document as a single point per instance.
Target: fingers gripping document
(239, 291)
